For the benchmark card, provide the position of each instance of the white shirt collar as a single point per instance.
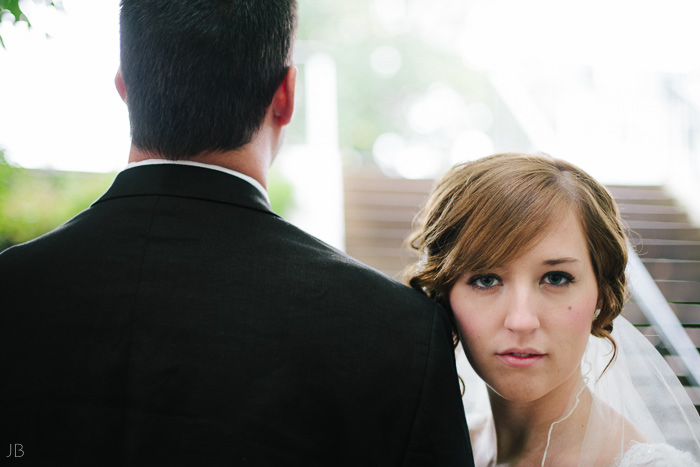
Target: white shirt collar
(242, 176)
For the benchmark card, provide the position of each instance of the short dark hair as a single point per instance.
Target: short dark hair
(200, 74)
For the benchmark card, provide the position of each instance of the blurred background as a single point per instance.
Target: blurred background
(390, 90)
(390, 94)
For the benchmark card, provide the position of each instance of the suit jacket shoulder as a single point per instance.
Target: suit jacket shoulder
(179, 320)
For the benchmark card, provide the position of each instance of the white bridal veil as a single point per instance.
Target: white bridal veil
(637, 394)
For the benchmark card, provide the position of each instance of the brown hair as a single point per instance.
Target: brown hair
(485, 213)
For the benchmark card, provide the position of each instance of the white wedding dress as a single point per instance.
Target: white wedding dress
(657, 455)
(638, 396)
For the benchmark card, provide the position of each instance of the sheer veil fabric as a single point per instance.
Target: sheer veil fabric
(640, 414)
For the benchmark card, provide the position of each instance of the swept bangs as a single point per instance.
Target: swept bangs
(485, 213)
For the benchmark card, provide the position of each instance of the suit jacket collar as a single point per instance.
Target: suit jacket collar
(186, 182)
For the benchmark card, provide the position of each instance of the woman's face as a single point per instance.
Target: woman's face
(525, 325)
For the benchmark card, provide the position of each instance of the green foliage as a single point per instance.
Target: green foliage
(13, 7)
(33, 202)
(280, 191)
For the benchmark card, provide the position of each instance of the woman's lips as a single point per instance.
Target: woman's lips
(521, 358)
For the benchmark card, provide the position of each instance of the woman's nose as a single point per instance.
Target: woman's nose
(521, 312)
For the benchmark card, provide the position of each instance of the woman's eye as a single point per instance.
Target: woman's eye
(484, 282)
(557, 278)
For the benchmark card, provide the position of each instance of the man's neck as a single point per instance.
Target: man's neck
(242, 160)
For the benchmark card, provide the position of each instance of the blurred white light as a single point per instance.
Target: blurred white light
(471, 145)
(390, 11)
(480, 116)
(424, 116)
(6, 17)
(63, 111)
(386, 60)
(353, 29)
(386, 150)
(441, 107)
(419, 161)
(652, 35)
(439, 21)
(396, 157)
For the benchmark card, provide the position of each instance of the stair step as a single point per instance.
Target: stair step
(663, 250)
(655, 217)
(651, 334)
(650, 202)
(642, 226)
(382, 253)
(404, 200)
(629, 208)
(669, 269)
(694, 394)
(652, 192)
(680, 291)
(679, 369)
(687, 313)
(665, 242)
(380, 218)
(395, 235)
(379, 183)
(664, 233)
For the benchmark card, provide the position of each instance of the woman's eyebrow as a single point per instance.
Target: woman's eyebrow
(554, 262)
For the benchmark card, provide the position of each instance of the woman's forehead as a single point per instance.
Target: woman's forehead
(495, 245)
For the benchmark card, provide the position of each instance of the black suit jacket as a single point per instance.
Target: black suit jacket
(179, 321)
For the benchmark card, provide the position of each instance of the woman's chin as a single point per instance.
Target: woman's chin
(516, 394)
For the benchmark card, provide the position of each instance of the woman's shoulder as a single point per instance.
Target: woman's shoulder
(608, 434)
(658, 455)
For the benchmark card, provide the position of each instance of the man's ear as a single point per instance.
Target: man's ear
(283, 100)
(119, 83)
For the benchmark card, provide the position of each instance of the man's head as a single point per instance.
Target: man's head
(201, 74)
